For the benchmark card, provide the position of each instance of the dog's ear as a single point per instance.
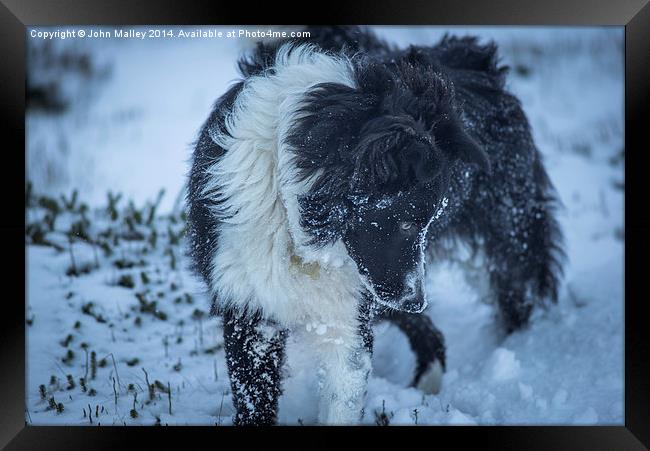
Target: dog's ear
(417, 162)
(326, 124)
(458, 144)
(394, 155)
(471, 152)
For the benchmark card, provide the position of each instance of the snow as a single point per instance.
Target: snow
(132, 133)
(502, 366)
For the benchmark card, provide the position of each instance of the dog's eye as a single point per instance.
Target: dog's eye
(406, 225)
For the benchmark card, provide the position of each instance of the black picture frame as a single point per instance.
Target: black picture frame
(16, 15)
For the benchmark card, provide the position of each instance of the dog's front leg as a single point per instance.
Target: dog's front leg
(254, 355)
(343, 376)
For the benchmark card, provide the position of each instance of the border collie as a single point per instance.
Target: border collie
(320, 179)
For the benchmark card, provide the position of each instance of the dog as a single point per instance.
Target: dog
(324, 179)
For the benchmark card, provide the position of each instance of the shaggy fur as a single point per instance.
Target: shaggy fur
(320, 180)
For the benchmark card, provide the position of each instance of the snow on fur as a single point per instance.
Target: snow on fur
(566, 368)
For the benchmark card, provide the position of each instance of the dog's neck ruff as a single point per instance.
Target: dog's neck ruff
(262, 262)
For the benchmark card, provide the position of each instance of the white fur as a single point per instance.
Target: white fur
(342, 375)
(431, 381)
(262, 261)
(259, 214)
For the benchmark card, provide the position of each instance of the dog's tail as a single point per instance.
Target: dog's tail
(428, 344)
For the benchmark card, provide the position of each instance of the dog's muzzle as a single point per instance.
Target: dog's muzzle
(412, 299)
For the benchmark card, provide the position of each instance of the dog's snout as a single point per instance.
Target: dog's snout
(413, 299)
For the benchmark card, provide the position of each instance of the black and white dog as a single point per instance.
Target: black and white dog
(320, 178)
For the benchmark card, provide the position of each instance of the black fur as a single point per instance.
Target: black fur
(426, 125)
(426, 341)
(254, 355)
(436, 113)
(201, 223)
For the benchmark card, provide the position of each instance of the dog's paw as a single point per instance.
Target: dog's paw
(431, 380)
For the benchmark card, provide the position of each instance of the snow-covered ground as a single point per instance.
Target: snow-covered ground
(130, 131)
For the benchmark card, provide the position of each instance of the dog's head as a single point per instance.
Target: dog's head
(380, 157)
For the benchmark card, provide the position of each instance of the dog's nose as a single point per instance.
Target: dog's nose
(414, 305)
(414, 300)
